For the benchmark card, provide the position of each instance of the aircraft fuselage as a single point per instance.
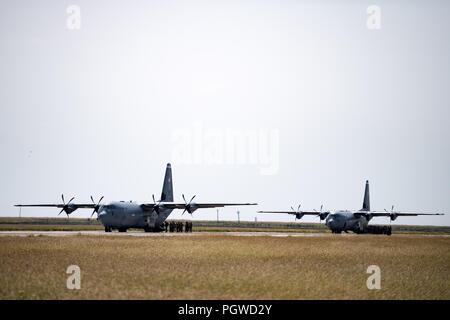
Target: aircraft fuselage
(125, 215)
(344, 220)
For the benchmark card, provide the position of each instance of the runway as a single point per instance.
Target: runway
(180, 234)
(155, 234)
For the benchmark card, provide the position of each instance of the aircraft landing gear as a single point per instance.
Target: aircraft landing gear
(108, 229)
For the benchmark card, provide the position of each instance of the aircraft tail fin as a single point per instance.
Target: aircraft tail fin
(167, 191)
(366, 202)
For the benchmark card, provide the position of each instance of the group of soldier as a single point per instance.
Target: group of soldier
(374, 229)
(177, 226)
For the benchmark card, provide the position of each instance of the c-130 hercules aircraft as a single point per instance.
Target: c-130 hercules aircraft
(356, 221)
(148, 216)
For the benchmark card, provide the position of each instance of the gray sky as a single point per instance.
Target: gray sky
(98, 110)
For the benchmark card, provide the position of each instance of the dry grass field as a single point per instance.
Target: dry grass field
(225, 267)
(80, 224)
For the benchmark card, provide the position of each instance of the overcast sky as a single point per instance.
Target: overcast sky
(321, 102)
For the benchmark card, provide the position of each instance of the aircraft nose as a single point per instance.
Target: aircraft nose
(330, 222)
(333, 223)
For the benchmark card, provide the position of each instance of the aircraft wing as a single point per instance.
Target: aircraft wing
(311, 213)
(68, 208)
(402, 214)
(73, 205)
(216, 205)
(174, 205)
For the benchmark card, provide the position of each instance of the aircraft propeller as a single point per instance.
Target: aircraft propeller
(322, 215)
(66, 208)
(392, 214)
(97, 206)
(298, 213)
(187, 206)
(157, 207)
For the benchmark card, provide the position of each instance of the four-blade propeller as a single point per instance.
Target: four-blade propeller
(321, 214)
(97, 206)
(157, 207)
(188, 206)
(66, 206)
(298, 213)
(392, 215)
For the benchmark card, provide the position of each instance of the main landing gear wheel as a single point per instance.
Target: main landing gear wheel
(108, 229)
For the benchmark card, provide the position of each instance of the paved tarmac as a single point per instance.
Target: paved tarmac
(156, 234)
(178, 234)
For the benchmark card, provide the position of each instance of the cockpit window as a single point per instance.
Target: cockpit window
(109, 207)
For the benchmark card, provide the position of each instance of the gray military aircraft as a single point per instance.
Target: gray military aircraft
(345, 220)
(148, 216)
